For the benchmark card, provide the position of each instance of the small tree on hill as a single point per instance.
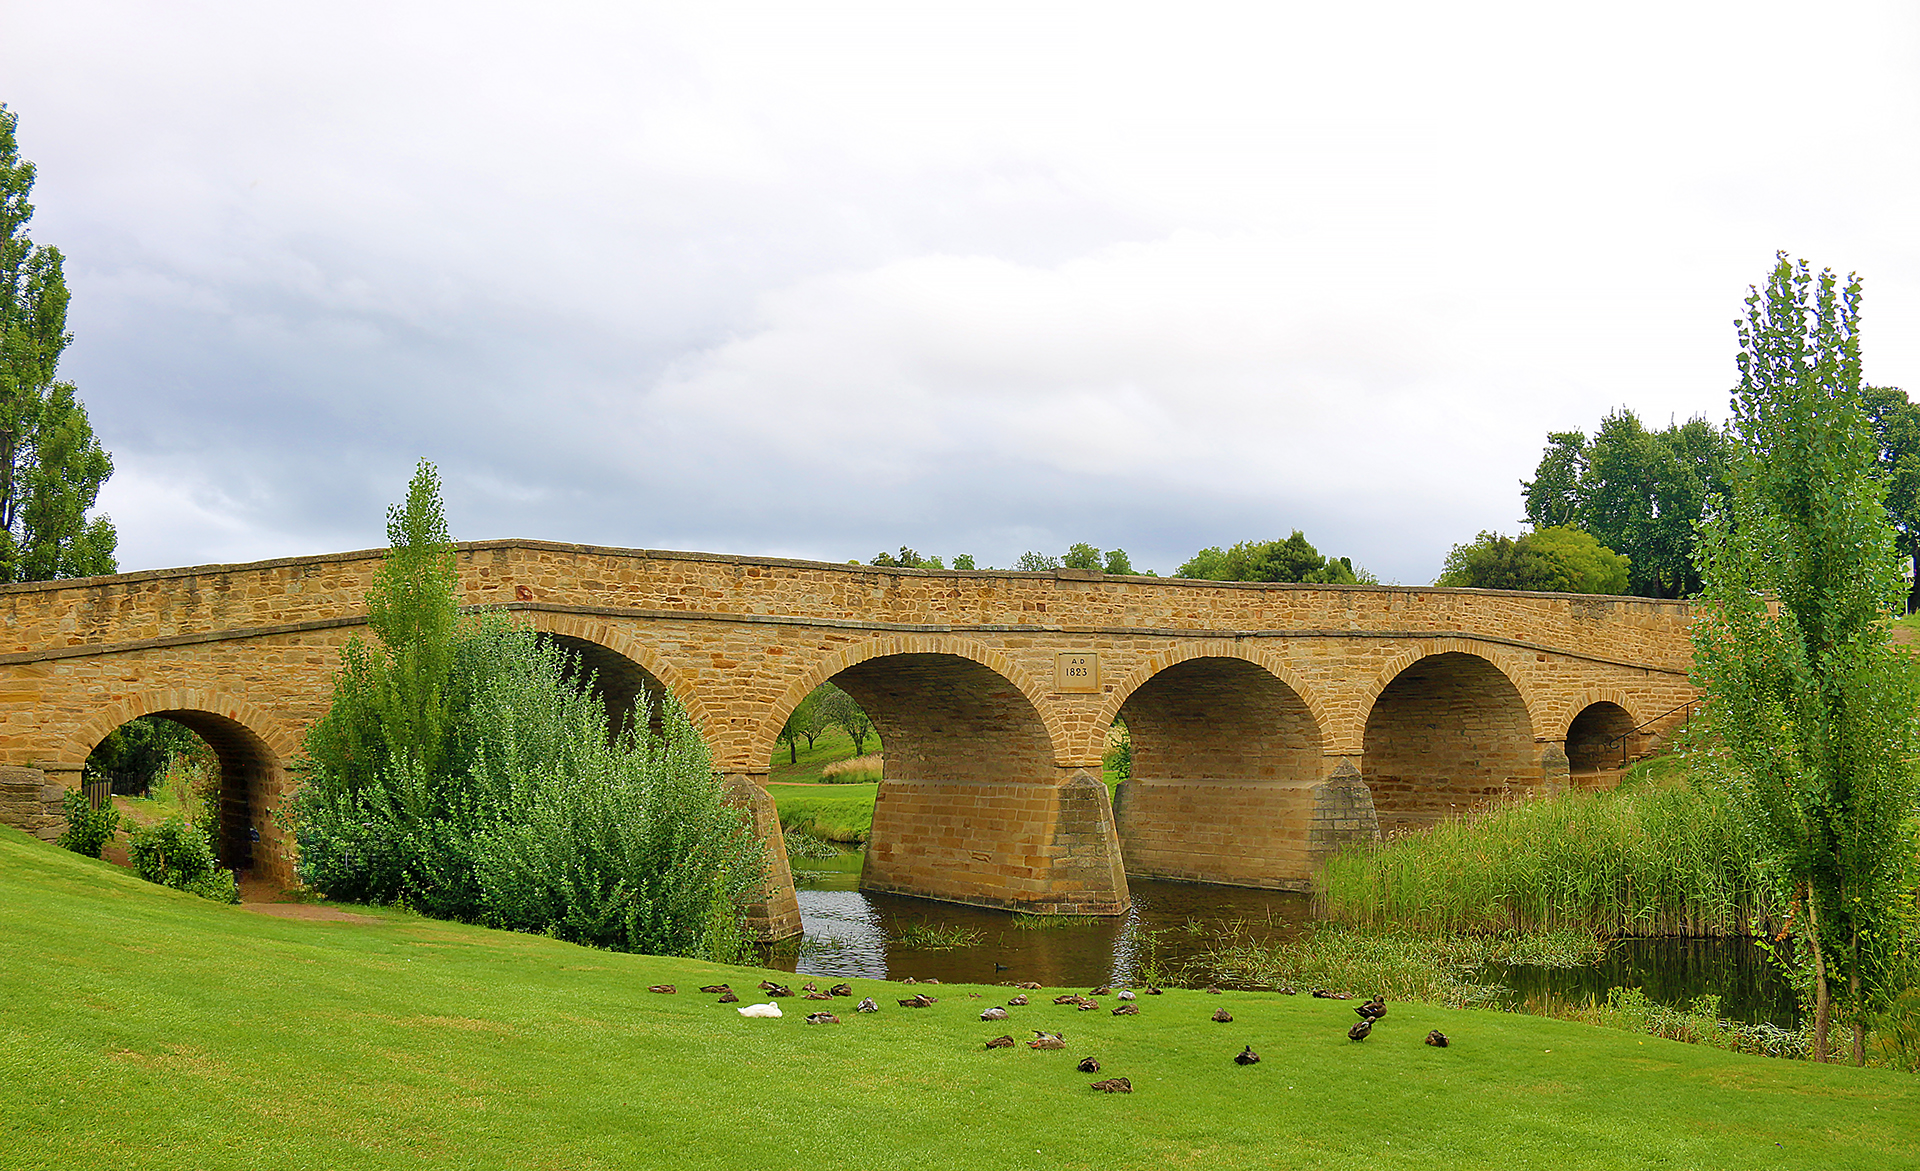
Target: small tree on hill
(1810, 715)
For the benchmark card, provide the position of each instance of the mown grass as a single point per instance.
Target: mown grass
(837, 813)
(1653, 857)
(150, 1029)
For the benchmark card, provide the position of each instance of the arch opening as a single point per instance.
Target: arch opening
(1221, 719)
(617, 681)
(1599, 742)
(1449, 733)
(947, 718)
(243, 785)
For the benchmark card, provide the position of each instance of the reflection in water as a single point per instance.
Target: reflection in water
(1172, 925)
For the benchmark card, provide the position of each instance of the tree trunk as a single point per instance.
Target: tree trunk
(1859, 1009)
(1822, 999)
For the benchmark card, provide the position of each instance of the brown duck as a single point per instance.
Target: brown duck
(920, 1001)
(715, 988)
(1373, 1009)
(1114, 1085)
(995, 1013)
(1359, 1031)
(728, 997)
(823, 1018)
(1246, 1057)
(1126, 1010)
(662, 988)
(777, 990)
(1029, 985)
(1088, 1065)
(1001, 1043)
(1437, 1039)
(1044, 1040)
(1223, 1016)
(1020, 999)
(840, 990)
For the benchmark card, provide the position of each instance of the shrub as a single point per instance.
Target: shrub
(88, 829)
(173, 853)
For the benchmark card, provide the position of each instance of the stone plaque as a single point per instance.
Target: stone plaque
(1076, 671)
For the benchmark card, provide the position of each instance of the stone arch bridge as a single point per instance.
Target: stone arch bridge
(1269, 723)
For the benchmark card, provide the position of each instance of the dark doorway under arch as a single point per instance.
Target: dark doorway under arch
(244, 788)
(1598, 742)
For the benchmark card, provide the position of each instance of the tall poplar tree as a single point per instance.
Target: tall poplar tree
(51, 466)
(1810, 714)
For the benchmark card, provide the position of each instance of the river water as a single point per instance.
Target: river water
(1172, 925)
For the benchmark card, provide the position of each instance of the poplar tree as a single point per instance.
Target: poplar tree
(1810, 714)
(51, 466)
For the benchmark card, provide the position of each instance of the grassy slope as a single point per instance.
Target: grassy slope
(147, 1028)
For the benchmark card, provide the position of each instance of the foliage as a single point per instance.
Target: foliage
(837, 707)
(1292, 560)
(806, 721)
(926, 935)
(1699, 1023)
(399, 1041)
(176, 853)
(1896, 1033)
(1639, 493)
(51, 466)
(88, 829)
(1645, 859)
(801, 844)
(1896, 430)
(1810, 715)
(1559, 559)
(1117, 763)
(911, 559)
(1080, 556)
(466, 770)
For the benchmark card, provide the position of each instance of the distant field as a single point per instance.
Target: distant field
(149, 1029)
(830, 746)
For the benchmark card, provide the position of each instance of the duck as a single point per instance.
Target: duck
(1359, 1031)
(715, 988)
(840, 990)
(809, 986)
(1437, 1039)
(666, 988)
(1212, 991)
(816, 994)
(1246, 1057)
(1088, 1065)
(1001, 1043)
(1019, 999)
(1152, 991)
(920, 1001)
(728, 997)
(1373, 1009)
(1028, 985)
(1223, 1016)
(822, 1018)
(1114, 1085)
(995, 1013)
(778, 990)
(1126, 1010)
(1087, 1005)
(1046, 1040)
(866, 1005)
(1069, 998)
(1125, 994)
(1101, 991)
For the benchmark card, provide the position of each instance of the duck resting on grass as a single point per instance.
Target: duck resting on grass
(840, 990)
(867, 1005)
(1001, 1043)
(1223, 1016)
(1045, 1040)
(665, 988)
(1088, 1065)
(715, 988)
(1437, 1039)
(1246, 1057)
(1114, 1085)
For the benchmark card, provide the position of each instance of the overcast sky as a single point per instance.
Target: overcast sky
(818, 280)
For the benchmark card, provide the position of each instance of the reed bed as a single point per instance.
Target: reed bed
(1649, 858)
(925, 935)
(1047, 922)
(1400, 965)
(858, 770)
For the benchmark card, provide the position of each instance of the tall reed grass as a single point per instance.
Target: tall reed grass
(1650, 858)
(860, 770)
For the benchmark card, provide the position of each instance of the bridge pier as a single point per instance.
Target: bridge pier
(1048, 849)
(776, 914)
(1269, 834)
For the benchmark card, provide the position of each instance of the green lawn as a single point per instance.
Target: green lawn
(830, 746)
(146, 1028)
(840, 813)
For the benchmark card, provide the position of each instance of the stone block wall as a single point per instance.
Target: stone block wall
(1019, 845)
(29, 802)
(1235, 833)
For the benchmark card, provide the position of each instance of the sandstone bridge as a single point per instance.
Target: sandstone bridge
(1270, 723)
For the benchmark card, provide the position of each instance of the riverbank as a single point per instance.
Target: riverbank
(154, 1029)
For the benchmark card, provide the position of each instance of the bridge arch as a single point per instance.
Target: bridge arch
(1449, 729)
(988, 662)
(1595, 721)
(252, 747)
(1261, 720)
(624, 667)
(1495, 655)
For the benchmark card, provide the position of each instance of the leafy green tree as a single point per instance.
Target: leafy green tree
(837, 707)
(1082, 556)
(466, 769)
(143, 748)
(51, 466)
(907, 559)
(1292, 560)
(1810, 714)
(1118, 562)
(1559, 559)
(1031, 562)
(963, 561)
(1638, 492)
(1896, 427)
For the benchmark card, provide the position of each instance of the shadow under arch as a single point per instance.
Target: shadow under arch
(252, 749)
(1496, 657)
(971, 807)
(843, 664)
(1601, 737)
(623, 669)
(1448, 732)
(1227, 760)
